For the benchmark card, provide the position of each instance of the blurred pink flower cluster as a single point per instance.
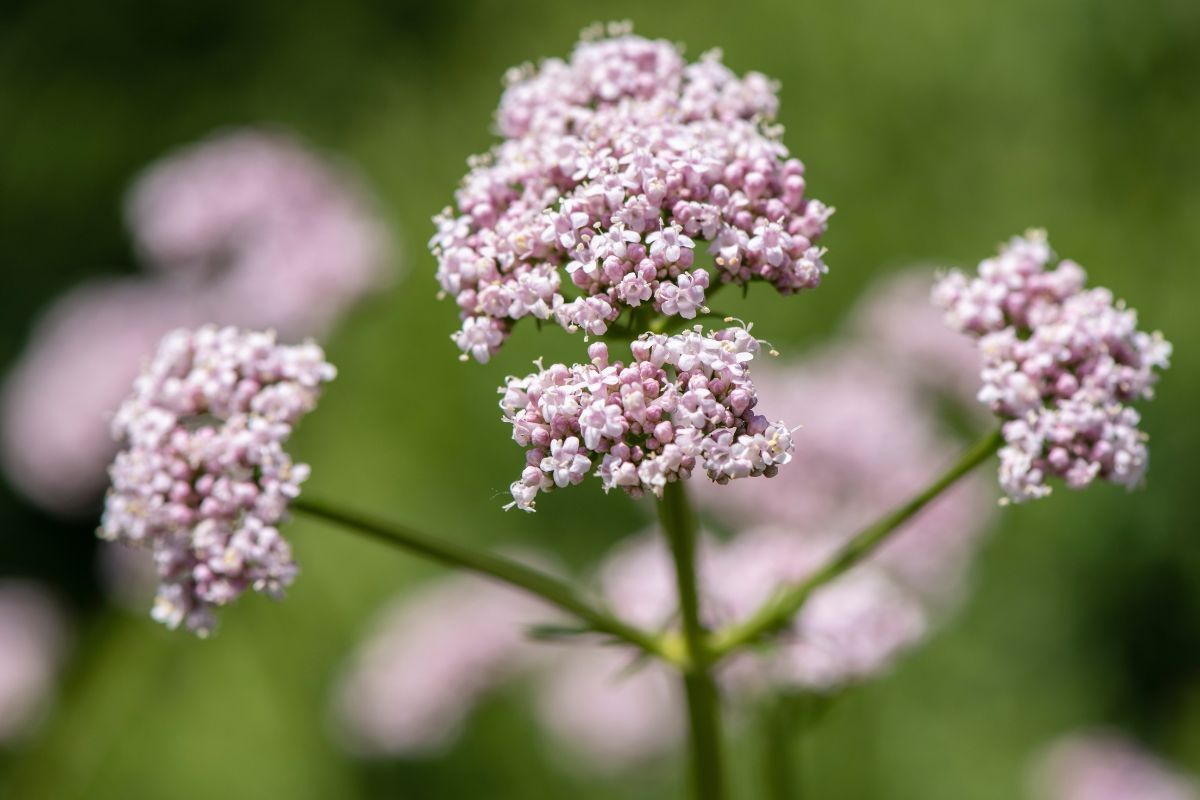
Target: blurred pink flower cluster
(433, 656)
(873, 442)
(615, 166)
(33, 641)
(1105, 765)
(247, 228)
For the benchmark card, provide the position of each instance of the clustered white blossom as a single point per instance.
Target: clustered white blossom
(203, 478)
(615, 166)
(683, 401)
(1061, 364)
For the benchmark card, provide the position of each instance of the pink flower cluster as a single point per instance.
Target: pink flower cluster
(1061, 364)
(615, 166)
(434, 655)
(266, 231)
(900, 328)
(1105, 765)
(683, 401)
(33, 641)
(871, 440)
(203, 477)
(850, 630)
(56, 443)
(246, 228)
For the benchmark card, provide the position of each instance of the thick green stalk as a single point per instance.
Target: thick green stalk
(780, 765)
(554, 591)
(777, 612)
(704, 712)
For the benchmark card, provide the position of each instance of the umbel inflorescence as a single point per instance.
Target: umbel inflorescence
(683, 401)
(616, 166)
(1061, 364)
(203, 478)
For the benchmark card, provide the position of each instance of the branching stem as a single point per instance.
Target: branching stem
(554, 591)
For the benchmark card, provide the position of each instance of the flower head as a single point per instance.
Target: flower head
(33, 639)
(203, 479)
(430, 658)
(54, 438)
(441, 649)
(268, 233)
(1061, 366)
(1105, 765)
(246, 228)
(683, 401)
(616, 167)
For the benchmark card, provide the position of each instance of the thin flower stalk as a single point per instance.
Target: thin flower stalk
(704, 712)
(452, 554)
(779, 610)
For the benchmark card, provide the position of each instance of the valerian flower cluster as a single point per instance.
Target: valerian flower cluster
(683, 401)
(203, 478)
(1061, 364)
(615, 166)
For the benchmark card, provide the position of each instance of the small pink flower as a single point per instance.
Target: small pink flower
(203, 479)
(1061, 364)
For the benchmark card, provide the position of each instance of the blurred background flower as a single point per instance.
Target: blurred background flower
(429, 662)
(936, 128)
(1106, 765)
(247, 228)
(33, 642)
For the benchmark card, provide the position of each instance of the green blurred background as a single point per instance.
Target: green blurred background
(936, 127)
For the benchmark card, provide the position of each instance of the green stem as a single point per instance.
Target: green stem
(704, 712)
(777, 612)
(551, 589)
(779, 763)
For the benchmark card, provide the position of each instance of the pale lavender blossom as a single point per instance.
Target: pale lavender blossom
(607, 711)
(615, 167)
(436, 653)
(683, 401)
(33, 639)
(1106, 765)
(247, 228)
(895, 318)
(59, 396)
(870, 442)
(850, 630)
(203, 479)
(266, 231)
(430, 658)
(1061, 366)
